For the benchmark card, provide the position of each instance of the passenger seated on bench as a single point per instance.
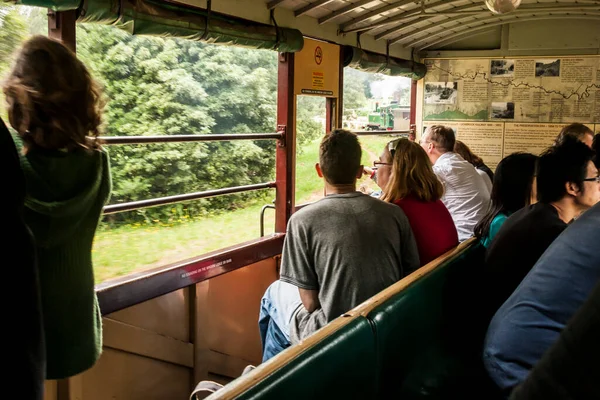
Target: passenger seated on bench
(466, 195)
(564, 192)
(570, 368)
(408, 181)
(511, 191)
(576, 131)
(534, 316)
(337, 253)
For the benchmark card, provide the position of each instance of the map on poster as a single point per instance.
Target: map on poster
(535, 90)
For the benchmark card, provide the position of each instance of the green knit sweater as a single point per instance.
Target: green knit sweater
(65, 195)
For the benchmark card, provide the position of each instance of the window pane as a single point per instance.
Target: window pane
(159, 86)
(17, 23)
(310, 128)
(374, 102)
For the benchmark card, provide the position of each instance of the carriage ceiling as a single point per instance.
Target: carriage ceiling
(432, 24)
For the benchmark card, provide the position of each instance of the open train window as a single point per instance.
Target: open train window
(163, 87)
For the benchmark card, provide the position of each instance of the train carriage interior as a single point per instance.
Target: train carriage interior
(505, 75)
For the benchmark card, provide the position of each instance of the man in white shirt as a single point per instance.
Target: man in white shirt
(466, 195)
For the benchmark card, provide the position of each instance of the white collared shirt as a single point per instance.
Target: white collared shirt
(466, 195)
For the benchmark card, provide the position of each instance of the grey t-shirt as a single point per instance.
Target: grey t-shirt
(349, 247)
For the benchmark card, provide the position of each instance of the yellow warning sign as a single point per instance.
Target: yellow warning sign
(316, 69)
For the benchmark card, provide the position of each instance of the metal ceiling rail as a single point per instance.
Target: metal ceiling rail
(415, 21)
(587, 15)
(417, 12)
(468, 25)
(311, 6)
(436, 24)
(464, 36)
(274, 3)
(407, 13)
(424, 18)
(375, 13)
(345, 10)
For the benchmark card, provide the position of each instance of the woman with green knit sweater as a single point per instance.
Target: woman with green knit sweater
(55, 108)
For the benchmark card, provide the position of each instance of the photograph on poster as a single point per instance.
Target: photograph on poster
(503, 110)
(547, 67)
(502, 68)
(441, 92)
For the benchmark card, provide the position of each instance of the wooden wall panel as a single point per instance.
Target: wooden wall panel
(123, 376)
(167, 315)
(161, 348)
(227, 310)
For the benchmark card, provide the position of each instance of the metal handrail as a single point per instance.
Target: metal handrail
(373, 133)
(112, 140)
(262, 217)
(135, 205)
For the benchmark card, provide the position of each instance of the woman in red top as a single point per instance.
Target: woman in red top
(405, 174)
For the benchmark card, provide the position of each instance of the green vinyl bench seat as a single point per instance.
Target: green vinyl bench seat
(337, 362)
(419, 338)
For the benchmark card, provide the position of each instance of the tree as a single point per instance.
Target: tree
(173, 87)
(402, 95)
(309, 110)
(355, 97)
(13, 31)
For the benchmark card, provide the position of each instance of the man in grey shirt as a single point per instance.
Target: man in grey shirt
(338, 252)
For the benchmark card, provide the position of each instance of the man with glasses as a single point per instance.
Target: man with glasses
(542, 298)
(337, 253)
(466, 195)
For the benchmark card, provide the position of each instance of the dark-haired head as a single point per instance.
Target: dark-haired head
(576, 131)
(465, 152)
(339, 157)
(511, 190)
(563, 169)
(53, 102)
(596, 148)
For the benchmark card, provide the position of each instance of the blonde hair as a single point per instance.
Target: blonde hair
(53, 102)
(412, 175)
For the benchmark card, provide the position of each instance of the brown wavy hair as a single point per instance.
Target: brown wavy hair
(412, 174)
(53, 102)
(465, 152)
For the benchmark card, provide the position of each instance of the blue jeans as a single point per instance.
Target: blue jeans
(277, 308)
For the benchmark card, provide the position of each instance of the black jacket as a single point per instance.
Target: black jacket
(25, 355)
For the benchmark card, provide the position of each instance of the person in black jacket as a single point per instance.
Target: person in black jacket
(25, 355)
(569, 370)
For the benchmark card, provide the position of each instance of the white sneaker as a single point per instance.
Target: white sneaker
(248, 368)
(205, 389)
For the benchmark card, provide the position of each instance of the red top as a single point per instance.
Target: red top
(432, 226)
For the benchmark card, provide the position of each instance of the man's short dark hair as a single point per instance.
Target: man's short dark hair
(562, 163)
(339, 156)
(443, 137)
(575, 131)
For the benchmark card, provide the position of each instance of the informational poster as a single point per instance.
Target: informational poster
(483, 138)
(492, 141)
(538, 90)
(316, 69)
(530, 138)
(501, 106)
